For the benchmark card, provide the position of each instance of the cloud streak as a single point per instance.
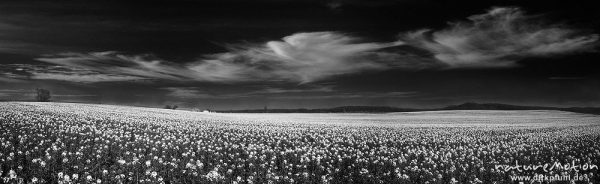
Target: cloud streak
(147, 66)
(23, 72)
(197, 92)
(499, 38)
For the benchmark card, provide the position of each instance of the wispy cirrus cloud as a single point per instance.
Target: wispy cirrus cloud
(302, 57)
(499, 38)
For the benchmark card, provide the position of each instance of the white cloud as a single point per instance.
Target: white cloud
(83, 78)
(313, 56)
(499, 38)
(307, 57)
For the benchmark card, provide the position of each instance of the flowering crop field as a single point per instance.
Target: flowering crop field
(84, 143)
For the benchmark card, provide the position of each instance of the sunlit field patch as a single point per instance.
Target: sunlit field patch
(82, 143)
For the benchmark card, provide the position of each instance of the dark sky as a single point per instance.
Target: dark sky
(234, 54)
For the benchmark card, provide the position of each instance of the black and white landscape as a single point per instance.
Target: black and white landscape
(307, 91)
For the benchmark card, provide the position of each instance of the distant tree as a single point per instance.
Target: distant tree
(171, 107)
(43, 95)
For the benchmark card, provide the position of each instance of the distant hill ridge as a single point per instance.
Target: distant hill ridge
(494, 106)
(385, 109)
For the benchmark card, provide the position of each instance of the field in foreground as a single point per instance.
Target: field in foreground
(81, 143)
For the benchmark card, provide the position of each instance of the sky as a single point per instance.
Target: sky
(234, 54)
